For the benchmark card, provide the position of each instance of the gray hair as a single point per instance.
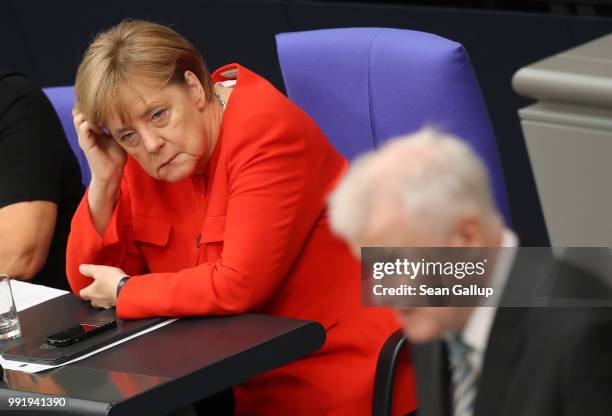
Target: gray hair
(435, 177)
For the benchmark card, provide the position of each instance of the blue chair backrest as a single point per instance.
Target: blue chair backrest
(365, 85)
(62, 99)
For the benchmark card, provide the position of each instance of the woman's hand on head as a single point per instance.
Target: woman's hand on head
(105, 157)
(106, 161)
(102, 293)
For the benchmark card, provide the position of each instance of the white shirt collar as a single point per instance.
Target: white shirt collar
(477, 328)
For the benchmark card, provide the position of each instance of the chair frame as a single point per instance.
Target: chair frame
(386, 368)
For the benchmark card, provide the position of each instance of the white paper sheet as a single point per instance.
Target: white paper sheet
(35, 368)
(27, 294)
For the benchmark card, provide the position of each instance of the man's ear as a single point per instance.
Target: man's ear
(468, 232)
(196, 91)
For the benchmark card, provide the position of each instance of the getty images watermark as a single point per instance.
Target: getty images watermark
(419, 269)
(515, 277)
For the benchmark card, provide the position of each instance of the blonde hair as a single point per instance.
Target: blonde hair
(129, 51)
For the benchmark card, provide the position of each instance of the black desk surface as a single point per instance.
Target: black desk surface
(163, 370)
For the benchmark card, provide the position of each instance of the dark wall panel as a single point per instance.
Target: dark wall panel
(54, 38)
(14, 52)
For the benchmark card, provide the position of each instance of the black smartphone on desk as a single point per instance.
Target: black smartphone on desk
(81, 331)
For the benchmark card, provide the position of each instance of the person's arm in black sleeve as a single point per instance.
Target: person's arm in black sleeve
(30, 176)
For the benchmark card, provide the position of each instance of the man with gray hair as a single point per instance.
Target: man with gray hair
(431, 190)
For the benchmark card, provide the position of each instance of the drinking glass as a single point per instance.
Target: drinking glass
(9, 322)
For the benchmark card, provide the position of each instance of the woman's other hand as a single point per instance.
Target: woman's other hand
(106, 161)
(102, 293)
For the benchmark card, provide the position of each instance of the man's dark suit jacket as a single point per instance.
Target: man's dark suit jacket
(538, 362)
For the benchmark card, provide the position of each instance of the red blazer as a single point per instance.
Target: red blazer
(251, 234)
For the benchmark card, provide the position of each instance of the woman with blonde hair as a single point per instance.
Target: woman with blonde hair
(207, 197)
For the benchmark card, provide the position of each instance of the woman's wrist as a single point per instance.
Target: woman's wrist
(105, 190)
(102, 198)
(121, 283)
